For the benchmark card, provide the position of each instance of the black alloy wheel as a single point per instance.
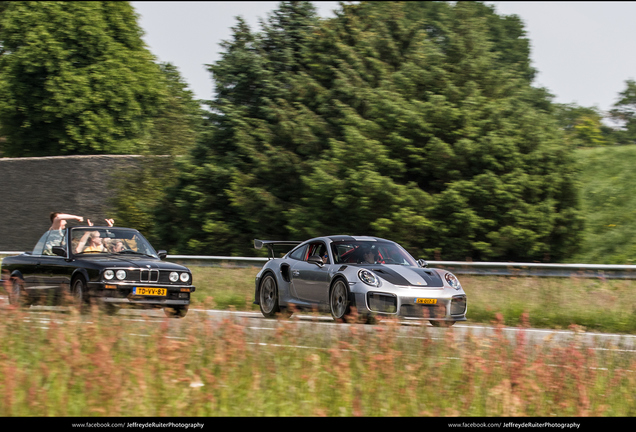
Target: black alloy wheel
(268, 297)
(339, 301)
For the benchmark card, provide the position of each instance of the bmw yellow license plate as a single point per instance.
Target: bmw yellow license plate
(149, 291)
(425, 301)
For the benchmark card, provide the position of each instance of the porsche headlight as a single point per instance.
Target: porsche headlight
(452, 281)
(184, 277)
(109, 274)
(121, 274)
(174, 276)
(369, 278)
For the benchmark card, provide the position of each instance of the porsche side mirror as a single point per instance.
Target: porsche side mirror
(316, 259)
(162, 254)
(422, 263)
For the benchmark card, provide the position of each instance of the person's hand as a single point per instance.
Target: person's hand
(110, 222)
(89, 222)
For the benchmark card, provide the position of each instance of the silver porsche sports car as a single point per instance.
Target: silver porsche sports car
(373, 275)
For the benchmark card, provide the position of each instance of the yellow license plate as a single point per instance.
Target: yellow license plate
(426, 301)
(150, 291)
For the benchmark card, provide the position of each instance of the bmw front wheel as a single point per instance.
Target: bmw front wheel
(80, 295)
(176, 312)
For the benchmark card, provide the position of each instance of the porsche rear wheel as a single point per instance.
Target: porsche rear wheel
(339, 301)
(268, 297)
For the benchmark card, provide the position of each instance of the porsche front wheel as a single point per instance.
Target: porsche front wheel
(339, 301)
(442, 323)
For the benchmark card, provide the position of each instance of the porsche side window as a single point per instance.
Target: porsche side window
(299, 254)
(320, 250)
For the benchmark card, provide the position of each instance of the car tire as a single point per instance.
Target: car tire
(339, 303)
(80, 295)
(176, 312)
(442, 323)
(17, 296)
(268, 296)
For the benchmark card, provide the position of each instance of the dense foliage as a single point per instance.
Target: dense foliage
(608, 204)
(176, 127)
(624, 112)
(415, 121)
(75, 78)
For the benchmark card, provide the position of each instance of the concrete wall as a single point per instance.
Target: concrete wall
(32, 188)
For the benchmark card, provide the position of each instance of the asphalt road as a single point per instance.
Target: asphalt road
(314, 328)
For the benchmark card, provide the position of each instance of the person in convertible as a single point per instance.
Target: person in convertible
(94, 240)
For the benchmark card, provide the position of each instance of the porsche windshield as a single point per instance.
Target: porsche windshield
(109, 240)
(370, 252)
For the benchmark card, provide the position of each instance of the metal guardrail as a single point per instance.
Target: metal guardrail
(601, 271)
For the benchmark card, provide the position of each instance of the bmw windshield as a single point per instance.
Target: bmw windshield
(89, 240)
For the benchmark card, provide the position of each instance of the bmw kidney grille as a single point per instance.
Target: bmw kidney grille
(148, 275)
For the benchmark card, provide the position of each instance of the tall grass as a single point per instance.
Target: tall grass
(65, 364)
(70, 365)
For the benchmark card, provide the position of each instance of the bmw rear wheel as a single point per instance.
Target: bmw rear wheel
(17, 295)
(339, 301)
(268, 297)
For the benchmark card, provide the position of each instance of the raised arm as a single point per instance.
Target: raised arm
(82, 242)
(56, 221)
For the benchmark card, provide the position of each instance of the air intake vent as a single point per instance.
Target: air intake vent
(379, 302)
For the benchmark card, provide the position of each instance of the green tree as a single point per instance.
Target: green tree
(75, 78)
(432, 105)
(583, 126)
(414, 121)
(174, 132)
(624, 112)
(243, 173)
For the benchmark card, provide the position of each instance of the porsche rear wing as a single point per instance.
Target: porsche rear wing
(258, 244)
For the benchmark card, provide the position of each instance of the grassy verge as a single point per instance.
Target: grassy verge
(99, 365)
(589, 304)
(106, 366)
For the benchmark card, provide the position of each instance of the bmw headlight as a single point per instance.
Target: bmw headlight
(174, 276)
(184, 277)
(369, 278)
(452, 281)
(121, 274)
(109, 274)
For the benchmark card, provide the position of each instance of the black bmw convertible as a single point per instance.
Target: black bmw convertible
(108, 266)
